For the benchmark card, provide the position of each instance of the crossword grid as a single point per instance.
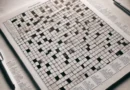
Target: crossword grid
(66, 42)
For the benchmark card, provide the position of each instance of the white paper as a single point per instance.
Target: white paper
(93, 82)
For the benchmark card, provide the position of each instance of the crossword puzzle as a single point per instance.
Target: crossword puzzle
(66, 42)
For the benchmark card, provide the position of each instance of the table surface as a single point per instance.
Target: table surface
(8, 5)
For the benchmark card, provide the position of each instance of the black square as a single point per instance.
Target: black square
(41, 34)
(35, 23)
(119, 42)
(38, 30)
(66, 62)
(122, 39)
(56, 2)
(93, 17)
(88, 58)
(88, 45)
(40, 61)
(77, 60)
(60, 42)
(35, 60)
(99, 59)
(84, 38)
(86, 75)
(45, 39)
(48, 73)
(119, 53)
(88, 49)
(109, 44)
(28, 50)
(57, 50)
(68, 80)
(22, 20)
(82, 14)
(51, 29)
(59, 23)
(33, 12)
(34, 35)
(49, 50)
(87, 22)
(86, 8)
(67, 24)
(57, 78)
(82, 66)
(65, 55)
(77, 32)
(64, 17)
(39, 43)
(49, 40)
(43, 10)
(57, 30)
(77, 21)
(38, 66)
(110, 33)
(71, 50)
(97, 33)
(110, 51)
(47, 65)
(41, 17)
(79, 10)
(107, 39)
(45, 21)
(62, 88)
(19, 25)
(30, 42)
(23, 14)
(63, 74)
(28, 24)
(93, 68)
(124, 43)
(101, 24)
(87, 33)
(31, 19)
(83, 28)
(51, 20)
(48, 17)
(46, 6)
(54, 56)
(40, 50)
(35, 15)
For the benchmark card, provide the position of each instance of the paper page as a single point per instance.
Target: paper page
(68, 45)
